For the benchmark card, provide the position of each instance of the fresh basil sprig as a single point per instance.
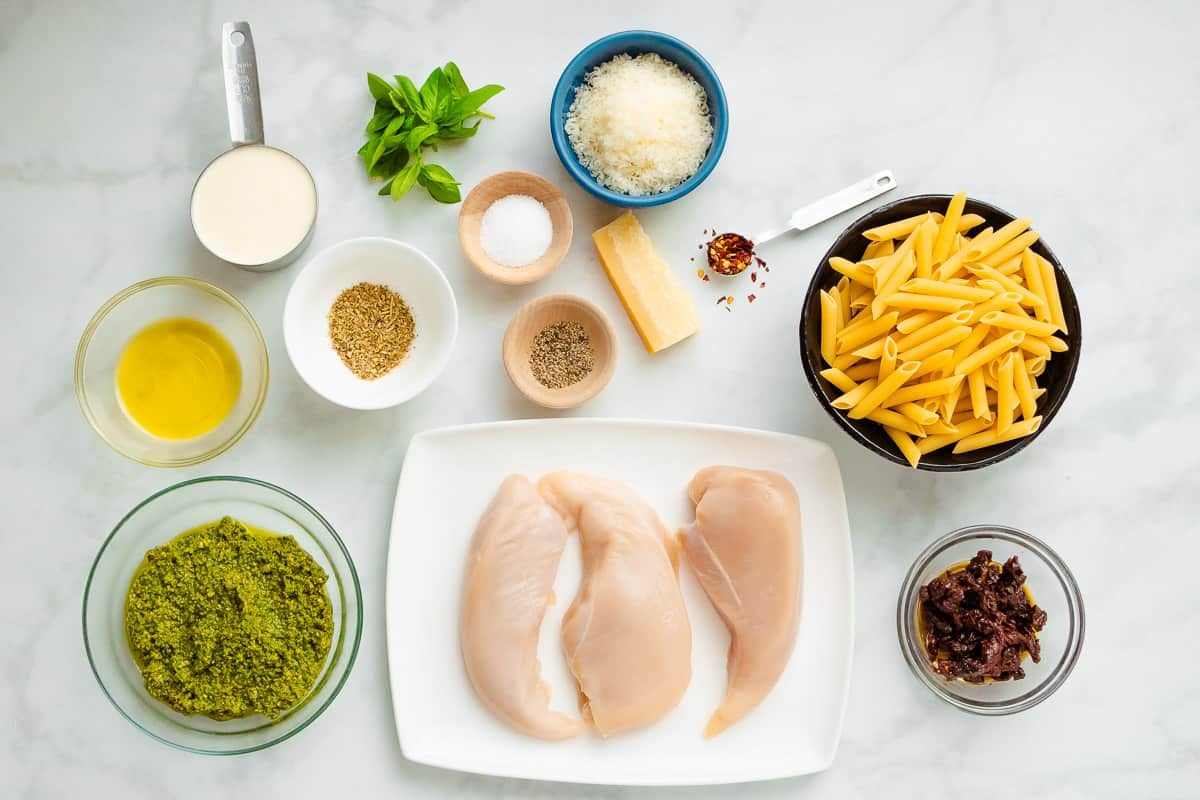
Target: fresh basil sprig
(408, 120)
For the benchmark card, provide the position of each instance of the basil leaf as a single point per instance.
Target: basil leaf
(442, 192)
(379, 121)
(368, 146)
(386, 189)
(395, 125)
(437, 174)
(457, 83)
(405, 178)
(417, 136)
(459, 131)
(377, 154)
(380, 88)
(412, 98)
(472, 102)
(390, 164)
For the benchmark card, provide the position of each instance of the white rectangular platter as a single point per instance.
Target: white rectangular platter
(448, 478)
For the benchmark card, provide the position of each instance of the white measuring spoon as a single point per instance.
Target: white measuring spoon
(832, 205)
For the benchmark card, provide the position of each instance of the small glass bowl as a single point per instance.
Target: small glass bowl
(1054, 589)
(127, 313)
(155, 521)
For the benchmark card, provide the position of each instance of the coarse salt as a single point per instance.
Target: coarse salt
(516, 230)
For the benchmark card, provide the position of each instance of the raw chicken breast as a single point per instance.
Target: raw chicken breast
(626, 636)
(745, 550)
(509, 580)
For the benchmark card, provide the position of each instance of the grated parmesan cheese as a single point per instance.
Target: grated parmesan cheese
(640, 124)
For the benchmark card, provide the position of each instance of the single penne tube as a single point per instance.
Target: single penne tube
(899, 228)
(989, 351)
(938, 343)
(945, 289)
(1037, 365)
(931, 404)
(919, 391)
(968, 221)
(894, 420)
(1006, 393)
(989, 437)
(848, 400)
(1000, 302)
(861, 372)
(896, 261)
(933, 329)
(897, 277)
(1056, 345)
(1053, 298)
(962, 430)
(857, 321)
(887, 358)
(935, 363)
(1024, 389)
(1037, 347)
(949, 226)
(839, 379)
(926, 232)
(860, 296)
(830, 316)
(868, 331)
(969, 345)
(1032, 270)
(991, 286)
(904, 444)
(872, 264)
(876, 249)
(845, 361)
(989, 380)
(924, 302)
(916, 320)
(1011, 250)
(884, 389)
(939, 427)
(978, 389)
(1028, 298)
(916, 413)
(843, 297)
(855, 272)
(963, 416)
(982, 247)
(1018, 322)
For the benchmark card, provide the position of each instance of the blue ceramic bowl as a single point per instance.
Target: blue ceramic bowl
(635, 43)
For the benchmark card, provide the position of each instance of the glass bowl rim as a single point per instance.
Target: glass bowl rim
(915, 657)
(193, 283)
(351, 658)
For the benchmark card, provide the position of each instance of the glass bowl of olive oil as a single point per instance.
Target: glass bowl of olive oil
(214, 642)
(171, 371)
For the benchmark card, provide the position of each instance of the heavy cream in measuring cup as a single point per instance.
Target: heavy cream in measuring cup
(254, 205)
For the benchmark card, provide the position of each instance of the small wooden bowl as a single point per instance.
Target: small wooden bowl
(503, 184)
(529, 322)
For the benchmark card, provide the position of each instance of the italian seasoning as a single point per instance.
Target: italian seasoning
(561, 355)
(372, 329)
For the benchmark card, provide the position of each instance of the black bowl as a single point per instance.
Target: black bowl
(1056, 380)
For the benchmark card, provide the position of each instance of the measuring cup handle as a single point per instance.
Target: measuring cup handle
(241, 84)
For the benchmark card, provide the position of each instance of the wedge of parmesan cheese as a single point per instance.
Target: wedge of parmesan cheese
(660, 308)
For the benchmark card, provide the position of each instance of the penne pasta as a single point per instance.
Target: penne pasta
(946, 289)
(877, 249)
(898, 229)
(939, 427)
(867, 332)
(1011, 250)
(955, 263)
(916, 413)
(978, 389)
(919, 391)
(1024, 389)
(936, 344)
(921, 301)
(926, 232)
(829, 321)
(1006, 393)
(989, 351)
(933, 329)
(904, 444)
(1053, 299)
(991, 436)
(855, 272)
(860, 372)
(893, 420)
(839, 379)
(1009, 283)
(962, 430)
(935, 363)
(1010, 267)
(887, 360)
(950, 402)
(916, 320)
(949, 226)
(884, 389)
(968, 221)
(1000, 302)
(1018, 322)
(982, 246)
(850, 399)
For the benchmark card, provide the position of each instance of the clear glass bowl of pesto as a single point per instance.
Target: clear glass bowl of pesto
(222, 615)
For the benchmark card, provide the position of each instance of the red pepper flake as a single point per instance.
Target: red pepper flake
(750, 298)
(720, 300)
(705, 277)
(754, 277)
(762, 285)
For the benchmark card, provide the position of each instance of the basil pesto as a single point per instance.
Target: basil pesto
(229, 621)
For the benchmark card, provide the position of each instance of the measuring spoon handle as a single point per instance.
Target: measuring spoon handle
(834, 204)
(241, 84)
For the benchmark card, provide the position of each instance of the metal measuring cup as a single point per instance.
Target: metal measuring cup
(244, 105)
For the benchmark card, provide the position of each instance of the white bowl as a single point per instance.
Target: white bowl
(404, 269)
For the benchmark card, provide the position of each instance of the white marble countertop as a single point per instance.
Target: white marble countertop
(1085, 118)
